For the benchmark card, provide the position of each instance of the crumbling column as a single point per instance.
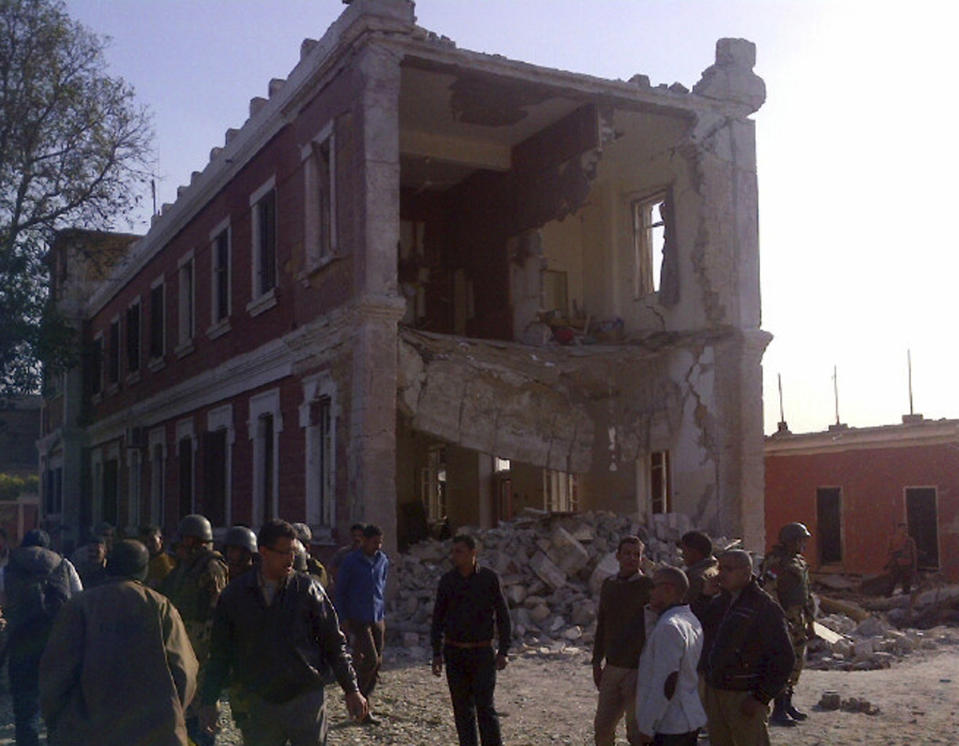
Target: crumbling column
(377, 306)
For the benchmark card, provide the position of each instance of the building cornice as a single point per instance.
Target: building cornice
(927, 432)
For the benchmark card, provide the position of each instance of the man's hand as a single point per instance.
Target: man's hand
(357, 706)
(597, 674)
(643, 738)
(208, 716)
(437, 665)
(501, 661)
(751, 706)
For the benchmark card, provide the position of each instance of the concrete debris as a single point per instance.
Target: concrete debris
(551, 567)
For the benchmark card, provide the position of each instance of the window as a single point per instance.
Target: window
(53, 491)
(108, 507)
(157, 321)
(133, 486)
(649, 234)
(96, 365)
(320, 208)
(318, 419)
(113, 352)
(185, 305)
(133, 337)
(185, 456)
(829, 524)
(559, 491)
(922, 519)
(217, 468)
(660, 486)
(263, 204)
(555, 294)
(433, 483)
(265, 425)
(157, 447)
(220, 290)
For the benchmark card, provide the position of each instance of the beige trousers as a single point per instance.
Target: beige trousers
(617, 695)
(728, 726)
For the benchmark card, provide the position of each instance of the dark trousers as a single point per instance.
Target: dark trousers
(368, 638)
(676, 739)
(25, 692)
(471, 675)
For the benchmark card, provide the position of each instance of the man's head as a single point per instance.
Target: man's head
(107, 531)
(372, 539)
(36, 537)
(670, 585)
(305, 535)
(96, 549)
(129, 559)
(695, 546)
(793, 536)
(463, 554)
(195, 531)
(240, 548)
(275, 544)
(735, 570)
(356, 534)
(629, 554)
(152, 539)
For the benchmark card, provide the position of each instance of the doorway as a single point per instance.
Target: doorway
(922, 517)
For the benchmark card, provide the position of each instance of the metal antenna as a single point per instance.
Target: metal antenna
(909, 363)
(835, 390)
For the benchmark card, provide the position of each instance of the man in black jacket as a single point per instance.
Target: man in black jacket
(747, 654)
(467, 600)
(277, 632)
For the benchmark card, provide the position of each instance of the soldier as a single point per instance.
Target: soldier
(194, 587)
(700, 563)
(313, 566)
(161, 563)
(240, 549)
(786, 578)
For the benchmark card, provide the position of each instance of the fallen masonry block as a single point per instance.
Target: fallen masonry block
(830, 700)
(547, 571)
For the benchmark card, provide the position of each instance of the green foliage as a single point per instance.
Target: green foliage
(73, 147)
(12, 486)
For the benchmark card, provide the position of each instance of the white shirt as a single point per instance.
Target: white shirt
(674, 645)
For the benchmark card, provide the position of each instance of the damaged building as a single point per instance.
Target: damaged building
(424, 284)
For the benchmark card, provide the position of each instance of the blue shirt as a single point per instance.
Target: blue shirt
(360, 585)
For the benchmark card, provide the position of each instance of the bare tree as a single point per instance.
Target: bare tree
(74, 147)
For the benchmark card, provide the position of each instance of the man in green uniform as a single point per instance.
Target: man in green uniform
(194, 587)
(785, 577)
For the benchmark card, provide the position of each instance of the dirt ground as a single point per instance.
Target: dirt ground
(550, 700)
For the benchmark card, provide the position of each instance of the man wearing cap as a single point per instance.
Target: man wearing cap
(90, 692)
(194, 587)
(697, 549)
(90, 559)
(785, 577)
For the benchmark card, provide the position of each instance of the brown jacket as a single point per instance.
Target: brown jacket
(118, 669)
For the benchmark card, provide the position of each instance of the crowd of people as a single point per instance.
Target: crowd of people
(129, 644)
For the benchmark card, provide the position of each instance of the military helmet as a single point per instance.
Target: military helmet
(195, 525)
(241, 536)
(793, 532)
(303, 533)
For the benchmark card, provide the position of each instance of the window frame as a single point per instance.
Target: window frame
(186, 305)
(156, 362)
(157, 440)
(96, 372)
(134, 347)
(646, 282)
(321, 243)
(113, 355)
(185, 430)
(262, 404)
(665, 498)
(221, 418)
(320, 455)
(262, 298)
(220, 324)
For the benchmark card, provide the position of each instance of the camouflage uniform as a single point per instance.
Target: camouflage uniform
(786, 578)
(194, 587)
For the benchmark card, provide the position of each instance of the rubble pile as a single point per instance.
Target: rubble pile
(866, 645)
(551, 567)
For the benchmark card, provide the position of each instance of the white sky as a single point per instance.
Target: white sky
(855, 147)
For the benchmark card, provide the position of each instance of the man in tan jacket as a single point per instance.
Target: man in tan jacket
(119, 668)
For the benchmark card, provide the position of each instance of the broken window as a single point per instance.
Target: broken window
(660, 486)
(559, 491)
(649, 238)
(829, 524)
(922, 517)
(433, 484)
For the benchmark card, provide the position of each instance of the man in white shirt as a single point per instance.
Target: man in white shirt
(668, 709)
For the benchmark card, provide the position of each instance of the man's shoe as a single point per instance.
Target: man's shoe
(779, 716)
(370, 720)
(792, 711)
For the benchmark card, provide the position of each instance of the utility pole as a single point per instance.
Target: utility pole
(909, 363)
(835, 390)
